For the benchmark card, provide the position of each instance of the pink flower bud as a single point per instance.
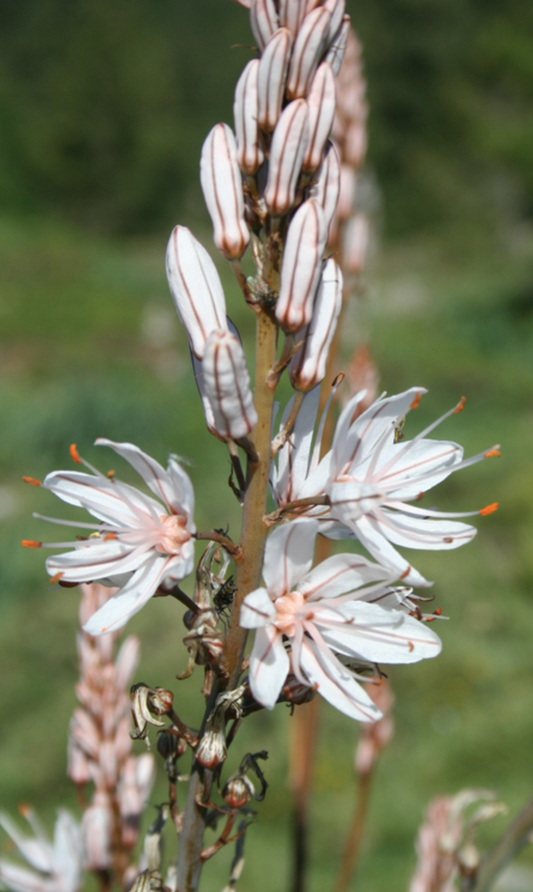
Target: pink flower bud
(195, 288)
(308, 367)
(325, 188)
(227, 385)
(271, 78)
(346, 193)
(301, 266)
(336, 10)
(78, 768)
(292, 13)
(287, 151)
(355, 144)
(250, 155)
(321, 103)
(126, 662)
(356, 243)
(97, 828)
(263, 21)
(308, 51)
(222, 187)
(335, 53)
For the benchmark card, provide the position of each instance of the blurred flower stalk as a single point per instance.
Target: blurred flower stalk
(282, 187)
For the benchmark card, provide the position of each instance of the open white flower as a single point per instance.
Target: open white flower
(138, 542)
(371, 475)
(323, 615)
(55, 866)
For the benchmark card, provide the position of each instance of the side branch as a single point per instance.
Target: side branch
(231, 548)
(294, 507)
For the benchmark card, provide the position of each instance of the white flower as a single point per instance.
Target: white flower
(55, 866)
(371, 476)
(138, 540)
(326, 621)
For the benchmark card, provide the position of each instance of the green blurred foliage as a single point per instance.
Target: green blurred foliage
(104, 105)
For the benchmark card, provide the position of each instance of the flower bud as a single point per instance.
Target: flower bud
(355, 144)
(97, 829)
(356, 243)
(250, 155)
(263, 21)
(227, 386)
(222, 187)
(346, 192)
(301, 266)
(195, 287)
(293, 12)
(321, 103)
(311, 42)
(325, 188)
(335, 53)
(336, 10)
(271, 78)
(308, 367)
(198, 370)
(287, 151)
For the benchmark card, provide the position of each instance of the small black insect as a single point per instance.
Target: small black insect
(224, 596)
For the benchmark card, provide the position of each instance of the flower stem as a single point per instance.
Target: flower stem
(355, 834)
(510, 843)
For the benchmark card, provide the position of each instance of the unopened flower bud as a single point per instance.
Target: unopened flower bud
(263, 20)
(198, 369)
(222, 187)
(335, 53)
(195, 287)
(301, 266)
(325, 188)
(271, 78)
(321, 103)
(250, 155)
(293, 12)
(346, 192)
(227, 386)
(356, 243)
(308, 367)
(97, 829)
(309, 47)
(336, 10)
(287, 151)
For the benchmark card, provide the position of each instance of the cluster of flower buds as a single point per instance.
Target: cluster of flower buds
(100, 745)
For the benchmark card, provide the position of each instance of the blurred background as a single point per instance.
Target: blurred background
(104, 105)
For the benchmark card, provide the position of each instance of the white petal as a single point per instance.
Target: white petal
(340, 574)
(257, 610)
(129, 600)
(99, 561)
(293, 458)
(269, 665)
(434, 460)
(38, 853)
(289, 555)
(337, 685)
(432, 535)
(68, 852)
(382, 636)
(115, 503)
(21, 880)
(370, 534)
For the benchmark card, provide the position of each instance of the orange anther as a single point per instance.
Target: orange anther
(74, 454)
(32, 481)
(437, 612)
(416, 402)
(111, 474)
(109, 536)
(489, 509)
(419, 496)
(448, 539)
(430, 619)
(460, 405)
(24, 809)
(339, 379)
(411, 646)
(492, 453)
(29, 543)
(56, 578)
(406, 573)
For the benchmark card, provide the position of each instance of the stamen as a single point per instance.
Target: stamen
(74, 454)
(32, 481)
(109, 536)
(56, 578)
(30, 543)
(492, 453)
(460, 405)
(489, 509)
(416, 402)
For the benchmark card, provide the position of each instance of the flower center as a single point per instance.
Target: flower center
(173, 533)
(287, 609)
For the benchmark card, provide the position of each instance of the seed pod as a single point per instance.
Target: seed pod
(227, 386)
(335, 53)
(336, 10)
(321, 103)
(288, 148)
(263, 21)
(308, 367)
(271, 78)
(250, 155)
(301, 266)
(356, 243)
(195, 287)
(222, 187)
(325, 188)
(308, 51)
